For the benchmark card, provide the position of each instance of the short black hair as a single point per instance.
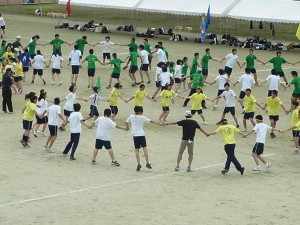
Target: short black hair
(77, 107)
(114, 55)
(196, 54)
(273, 72)
(84, 37)
(247, 70)
(56, 101)
(117, 85)
(294, 73)
(142, 47)
(71, 88)
(207, 50)
(142, 85)
(91, 51)
(259, 117)
(138, 109)
(248, 89)
(107, 112)
(56, 35)
(275, 92)
(76, 47)
(164, 69)
(226, 84)
(221, 71)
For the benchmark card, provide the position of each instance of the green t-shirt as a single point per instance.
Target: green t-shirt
(56, 43)
(172, 70)
(250, 61)
(117, 65)
(16, 44)
(133, 58)
(205, 60)
(277, 63)
(134, 46)
(166, 52)
(296, 83)
(194, 66)
(184, 68)
(197, 80)
(91, 59)
(32, 46)
(81, 43)
(2, 50)
(148, 47)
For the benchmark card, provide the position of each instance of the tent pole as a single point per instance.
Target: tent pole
(226, 26)
(220, 28)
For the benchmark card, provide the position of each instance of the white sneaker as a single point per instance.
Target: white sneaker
(53, 83)
(245, 130)
(205, 122)
(215, 107)
(43, 134)
(50, 150)
(268, 166)
(258, 168)
(46, 147)
(177, 168)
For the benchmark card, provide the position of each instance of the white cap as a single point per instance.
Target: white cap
(18, 37)
(16, 49)
(199, 69)
(188, 113)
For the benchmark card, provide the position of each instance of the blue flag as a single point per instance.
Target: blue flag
(207, 21)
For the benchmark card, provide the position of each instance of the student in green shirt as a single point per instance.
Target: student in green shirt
(205, 59)
(296, 83)
(184, 70)
(277, 62)
(56, 43)
(17, 43)
(132, 58)
(81, 42)
(116, 70)
(91, 59)
(194, 67)
(32, 46)
(148, 48)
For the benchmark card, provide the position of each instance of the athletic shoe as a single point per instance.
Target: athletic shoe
(148, 165)
(60, 83)
(258, 168)
(215, 107)
(149, 81)
(188, 169)
(108, 87)
(242, 170)
(243, 112)
(72, 158)
(32, 82)
(268, 166)
(34, 134)
(224, 171)
(93, 162)
(296, 152)
(43, 134)
(272, 135)
(44, 82)
(177, 168)
(205, 122)
(53, 83)
(138, 168)
(27, 146)
(23, 143)
(204, 107)
(245, 130)
(115, 163)
(218, 123)
(237, 126)
(50, 150)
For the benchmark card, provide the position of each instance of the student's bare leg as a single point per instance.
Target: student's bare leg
(146, 155)
(155, 92)
(255, 157)
(137, 156)
(245, 123)
(235, 119)
(48, 140)
(261, 159)
(142, 75)
(161, 116)
(285, 80)
(203, 118)
(52, 141)
(252, 121)
(72, 78)
(95, 153)
(296, 141)
(109, 81)
(148, 75)
(165, 116)
(255, 78)
(44, 127)
(111, 154)
(53, 78)
(75, 78)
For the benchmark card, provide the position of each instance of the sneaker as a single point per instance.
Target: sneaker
(108, 87)
(224, 171)
(23, 142)
(243, 112)
(53, 83)
(44, 82)
(148, 165)
(204, 107)
(93, 162)
(205, 122)
(245, 130)
(268, 166)
(72, 158)
(215, 107)
(177, 168)
(149, 81)
(188, 169)
(43, 134)
(218, 123)
(296, 152)
(242, 170)
(32, 82)
(258, 168)
(89, 86)
(50, 150)
(60, 83)
(272, 135)
(184, 106)
(27, 146)
(237, 126)
(173, 100)
(34, 134)
(115, 163)
(133, 84)
(138, 168)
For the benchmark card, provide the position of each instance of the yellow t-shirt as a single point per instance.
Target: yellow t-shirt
(228, 132)
(139, 97)
(297, 125)
(29, 112)
(114, 97)
(197, 100)
(166, 96)
(295, 119)
(249, 103)
(273, 106)
(18, 69)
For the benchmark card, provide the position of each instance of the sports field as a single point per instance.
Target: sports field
(42, 188)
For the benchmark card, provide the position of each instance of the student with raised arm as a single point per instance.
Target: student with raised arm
(91, 59)
(274, 82)
(231, 59)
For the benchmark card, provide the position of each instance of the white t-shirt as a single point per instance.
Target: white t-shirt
(75, 124)
(56, 61)
(53, 112)
(2, 23)
(165, 78)
(95, 99)
(261, 132)
(157, 73)
(106, 46)
(43, 105)
(274, 82)
(104, 129)
(161, 56)
(247, 81)
(229, 98)
(137, 124)
(75, 56)
(38, 62)
(221, 79)
(177, 73)
(144, 55)
(231, 60)
(70, 101)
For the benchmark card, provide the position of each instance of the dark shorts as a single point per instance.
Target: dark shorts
(258, 148)
(67, 113)
(93, 111)
(196, 111)
(295, 133)
(281, 74)
(228, 70)
(75, 69)
(158, 84)
(56, 71)
(220, 92)
(165, 108)
(44, 120)
(296, 95)
(106, 55)
(100, 143)
(27, 125)
(32, 56)
(248, 115)
(139, 142)
(115, 75)
(3, 27)
(17, 79)
(252, 70)
(274, 118)
(91, 72)
(52, 130)
(132, 69)
(25, 69)
(177, 80)
(144, 67)
(38, 72)
(229, 109)
(242, 95)
(150, 58)
(114, 109)
(184, 79)
(204, 72)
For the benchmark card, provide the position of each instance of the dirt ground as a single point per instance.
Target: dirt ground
(42, 188)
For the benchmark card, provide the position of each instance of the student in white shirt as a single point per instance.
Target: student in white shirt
(2, 26)
(103, 136)
(137, 122)
(222, 78)
(229, 97)
(178, 75)
(157, 79)
(261, 132)
(274, 82)
(38, 62)
(42, 105)
(161, 55)
(74, 59)
(75, 120)
(231, 58)
(54, 112)
(56, 60)
(165, 77)
(106, 46)
(144, 56)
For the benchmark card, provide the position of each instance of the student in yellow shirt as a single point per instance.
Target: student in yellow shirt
(274, 103)
(113, 100)
(249, 104)
(1, 73)
(139, 96)
(18, 68)
(228, 132)
(294, 121)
